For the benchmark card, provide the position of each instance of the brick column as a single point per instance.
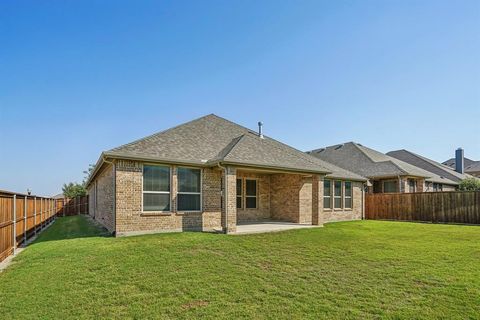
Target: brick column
(420, 185)
(317, 200)
(229, 212)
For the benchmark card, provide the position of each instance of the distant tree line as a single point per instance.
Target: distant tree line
(75, 189)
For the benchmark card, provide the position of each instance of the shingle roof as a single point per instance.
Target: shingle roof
(211, 139)
(371, 163)
(451, 162)
(474, 167)
(428, 164)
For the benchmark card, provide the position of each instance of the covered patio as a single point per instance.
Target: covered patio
(261, 200)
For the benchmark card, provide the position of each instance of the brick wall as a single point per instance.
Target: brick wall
(284, 197)
(131, 219)
(101, 198)
(291, 198)
(331, 215)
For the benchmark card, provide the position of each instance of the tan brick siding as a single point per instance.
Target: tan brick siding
(291, 198)
(101, 198)
(331, 215)
(131, 219)
(283, 197)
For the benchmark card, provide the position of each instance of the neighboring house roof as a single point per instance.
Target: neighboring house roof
(474, 167)
(212, 140)
(451, 162)
(58, 196)
(371, 163)
(428, 164)
(471, 166)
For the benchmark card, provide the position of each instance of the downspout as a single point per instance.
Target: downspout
(364, 187)
(225, 193)
(114, 194)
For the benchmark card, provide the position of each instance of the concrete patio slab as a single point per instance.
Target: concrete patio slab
(270, 226)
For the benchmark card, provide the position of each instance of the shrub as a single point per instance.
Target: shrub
(470, 184)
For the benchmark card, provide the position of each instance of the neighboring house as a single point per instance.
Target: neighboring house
(466, 166)
(386, 174)
(473, 169)
(59, 196)
(212, 174)
(430, 166)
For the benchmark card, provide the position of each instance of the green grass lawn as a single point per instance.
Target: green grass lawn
(364, 269)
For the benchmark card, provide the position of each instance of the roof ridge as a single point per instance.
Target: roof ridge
(228, 149)
(161, 132)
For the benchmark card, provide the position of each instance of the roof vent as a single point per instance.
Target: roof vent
(260, 129)
(320, 150)
(338, 147)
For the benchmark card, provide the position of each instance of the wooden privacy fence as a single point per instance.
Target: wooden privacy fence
(438, 207)
(23, 216)
(70, 207)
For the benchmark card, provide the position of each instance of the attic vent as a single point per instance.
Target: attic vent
(320, 150)
(358, 144)
(338, 147)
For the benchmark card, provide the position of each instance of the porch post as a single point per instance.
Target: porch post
(317, 200)
(229, 213)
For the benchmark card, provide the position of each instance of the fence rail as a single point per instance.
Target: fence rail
(437, 207)
(23, 216)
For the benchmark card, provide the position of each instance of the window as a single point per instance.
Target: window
(437, 187)
(250, 194)
(411, 185)
(390, 186)
(239, 193)
(348, 195)
(337, 194)
(189, 189)
(156, 188)
(377, 187)
(327, 194)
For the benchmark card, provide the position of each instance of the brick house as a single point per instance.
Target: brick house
(385, 173)
(212, 174)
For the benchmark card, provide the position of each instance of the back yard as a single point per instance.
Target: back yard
(364, 269)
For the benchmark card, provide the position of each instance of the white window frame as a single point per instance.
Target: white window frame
(347, 197)
(158, 192)
(329, 196)
(195, 193)
(246, 196)
(340, 196)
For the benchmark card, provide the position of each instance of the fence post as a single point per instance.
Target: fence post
(55, 209)
(25, 203)
(35, 214)
(63, 206)
(41, 214)
(14, 233)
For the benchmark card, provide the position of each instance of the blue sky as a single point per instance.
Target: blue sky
(79, 77)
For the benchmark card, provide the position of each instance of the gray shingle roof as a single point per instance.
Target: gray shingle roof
(211, 139)
(474, 167)
(371, 163)
(428, 164)
(451, 162)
